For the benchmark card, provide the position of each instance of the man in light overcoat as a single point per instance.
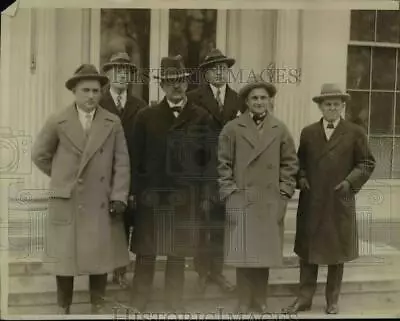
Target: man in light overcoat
(335, 163)
(257, 168)
(83, 150)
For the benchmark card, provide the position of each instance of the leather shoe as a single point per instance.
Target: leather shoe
(262, 308)
(297, 306)
(242, 308)
(332, 309)
(201, 284)
(222, 282)
(98, 309)
(63, 310)
(119, 277)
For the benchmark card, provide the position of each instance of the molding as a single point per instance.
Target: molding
(86, 35)
(95, 37)
(222, 29)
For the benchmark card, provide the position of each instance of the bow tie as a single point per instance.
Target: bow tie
(259, 118)
(330, 126)
(178, 109)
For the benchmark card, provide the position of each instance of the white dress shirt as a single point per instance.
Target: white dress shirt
(82, 115)
(329, 131)
(181, 104)
(222, 92)
(123, 95)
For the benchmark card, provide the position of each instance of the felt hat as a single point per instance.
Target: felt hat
(330, 90)
(172, 68)
(215, 56)
(119, 59)
(257, 82)
(86, 72)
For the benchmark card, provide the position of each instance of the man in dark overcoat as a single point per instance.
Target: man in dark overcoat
(335, 163)
(257, 166)
(169, 148)
(223, 104)
(118, 100)
(82, 148)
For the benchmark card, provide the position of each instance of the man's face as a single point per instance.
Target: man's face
(87, 94)
(331, 108)
(258, 101)
(218, 75)
(119, 77)
(175, 90)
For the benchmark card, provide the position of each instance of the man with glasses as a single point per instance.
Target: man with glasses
(223, 104)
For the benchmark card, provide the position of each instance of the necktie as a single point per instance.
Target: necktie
(258, 118)
(176, 109)
(330, 125)
(88, 123)
(119, 104)
(218, 98)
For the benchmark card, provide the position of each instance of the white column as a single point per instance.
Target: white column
(287, 72)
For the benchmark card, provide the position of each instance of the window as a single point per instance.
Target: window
(192, 34)
(128, 30)
(373, 80)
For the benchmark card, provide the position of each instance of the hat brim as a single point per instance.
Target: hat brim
(270, 88)
(320, 98)
(106, 67)
(229, 61)
(173, 77)
(71, 83)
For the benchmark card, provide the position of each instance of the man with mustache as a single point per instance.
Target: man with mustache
(169, 150)
(82, 148)
(118, 100)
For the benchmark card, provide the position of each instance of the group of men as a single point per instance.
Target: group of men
(205, 174)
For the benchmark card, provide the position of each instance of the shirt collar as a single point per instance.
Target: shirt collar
(335, 123)
(114, 94)
(222, 90)
(83, 112)
(181, 104)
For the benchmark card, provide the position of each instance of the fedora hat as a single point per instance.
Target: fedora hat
(257, 82)
(330, 90)
(172, 68)
(119, 59)
(86, 72)
(215, 56)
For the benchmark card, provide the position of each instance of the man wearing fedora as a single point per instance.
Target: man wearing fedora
(257, 166)
(168, 144)
(83, 150)
(117, 99)
(223, 105)
(335, 163)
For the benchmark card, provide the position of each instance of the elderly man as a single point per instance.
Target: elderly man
(335, 162)
(118, 100)
(257, 168)
(169, 144)
(83, 150)
(223, 104)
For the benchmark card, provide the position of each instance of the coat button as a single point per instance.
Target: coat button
(101, 150)
(80, 180)
(270, 166)
(103, 205)
(102, 179)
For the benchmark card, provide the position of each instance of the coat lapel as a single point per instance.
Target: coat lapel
(267, 137)
(230, 104)
(72, 128)
(208, 100)
(101, 128)
(130, 109)
(333, 141)
(109, 103)
(183, 117)
(249, 130)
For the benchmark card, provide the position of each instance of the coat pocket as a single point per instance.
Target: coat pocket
(60, 207)
(234, 208)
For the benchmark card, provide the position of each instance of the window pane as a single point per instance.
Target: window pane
(127, 30)
(381, 120)
(357, 109)
(192, 33)
(362, 25)
(358, 67)
(396, 158)
(382, 148)
(388, 26)
(383, 68)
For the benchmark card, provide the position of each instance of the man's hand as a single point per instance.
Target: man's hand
(303, 183)
(343, 187)
(117, 208)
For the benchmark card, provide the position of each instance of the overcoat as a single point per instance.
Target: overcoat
(85, 175)
(131, 108)
(167, 161)
(326, 229)
(254, 169)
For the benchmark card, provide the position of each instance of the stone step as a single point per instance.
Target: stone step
(351, 306)
(371, 254)
(37, 290)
